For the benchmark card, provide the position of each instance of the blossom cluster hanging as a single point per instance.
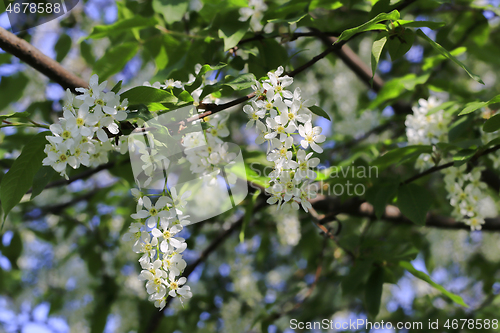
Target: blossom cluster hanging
(155, 237)
(279, 115)
(81, 136)
(465, 189)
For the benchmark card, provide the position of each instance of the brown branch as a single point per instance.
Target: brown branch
(450, 164)
(360, 208)
(32, 56)
(82, 175)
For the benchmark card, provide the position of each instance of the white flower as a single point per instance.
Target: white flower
(153, 213)
(170, 83)
(311, 136)
(175, 286)
(281, 156)
(305, 163)
(475, 222)
(134, 233)
(169, 242)
(147, 246)
(254, 114)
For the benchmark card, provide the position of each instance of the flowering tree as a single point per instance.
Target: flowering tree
(251, 166)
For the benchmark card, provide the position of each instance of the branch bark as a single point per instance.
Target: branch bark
(32, 56)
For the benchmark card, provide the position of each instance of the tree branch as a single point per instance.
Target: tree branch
(32, 56)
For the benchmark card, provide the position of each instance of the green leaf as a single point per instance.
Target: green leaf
(62, 47)
(399, 45)
(232, 32)
(417, 24)
(492, 124)
(122, 25)
(384, 195)
(463, 156)
(117, 87)
(19, 179)
(394, 156)
(172, 10)
(373, 291)
(370, 25)
(473, 106)
(241, 82)
(115, 59)
(12, 88)
(148, 95)
(14, 250)
(424, 277)
(448, 55)
(86, 53)
(377, 47)
(319, 111)
(248, 214)
(41, 179)
(414, 201)
(14, 115)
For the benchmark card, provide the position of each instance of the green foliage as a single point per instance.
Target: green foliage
(414, 201)
(373, 24)
(378, 46)
(115, 59)
(319, 111)
(448, 55)
(422, 276)
(18, 180)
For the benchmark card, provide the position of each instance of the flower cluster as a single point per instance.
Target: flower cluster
(255, 11)
(155, 236)
(423, 128)
(279, 115)
(466, 194)
(205, 150)
(81, 136)
(465, 190)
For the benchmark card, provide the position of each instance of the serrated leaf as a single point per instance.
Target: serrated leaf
(319, 111)
(62, 47)
(19, 179)
(414, 201)
(492, 124)
(148, 95)
(424, 277)
(347, 34)
(377, 47)
(398, 46)
(122, 25)
(115, 59)
(448, 55)
(373, 291)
